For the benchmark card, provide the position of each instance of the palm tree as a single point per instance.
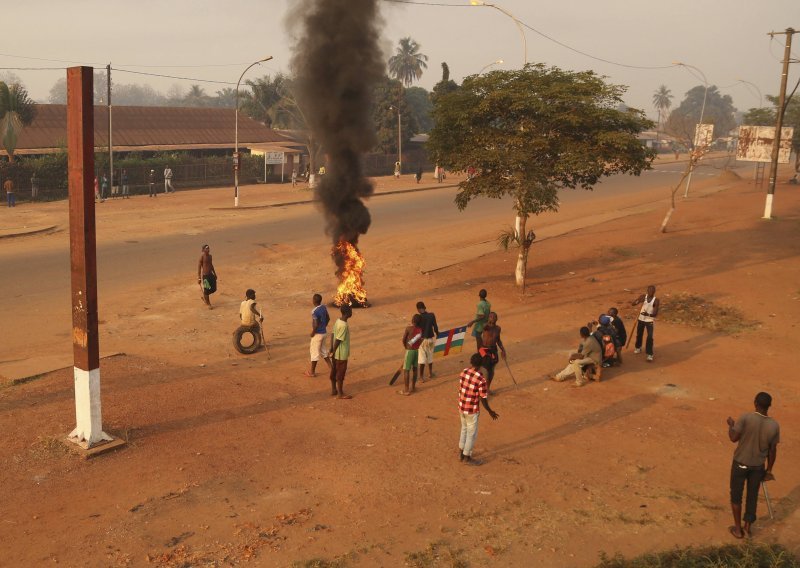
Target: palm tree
(662, 100)
(407, 63)
(17, 111)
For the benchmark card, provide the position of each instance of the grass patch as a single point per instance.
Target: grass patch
(694, 311)
(48, 447)
(437, 555)
(319, 563)
(746, 555)
(626, 252)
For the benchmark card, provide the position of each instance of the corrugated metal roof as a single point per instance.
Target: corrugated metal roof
(148, 127)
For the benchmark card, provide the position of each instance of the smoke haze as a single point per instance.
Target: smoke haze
(337, 61)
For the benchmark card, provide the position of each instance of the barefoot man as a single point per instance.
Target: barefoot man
(481, 317)
(206, 275)
(319, 329)
(430, 329)
(412, 339)
(757, 436)
(340, 352)
(490, 341)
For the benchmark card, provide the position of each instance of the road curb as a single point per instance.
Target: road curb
(35, 231)
(306, 201)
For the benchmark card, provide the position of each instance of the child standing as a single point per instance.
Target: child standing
(412, 339)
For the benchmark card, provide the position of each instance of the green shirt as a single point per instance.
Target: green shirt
(484, 308)
(341, 331)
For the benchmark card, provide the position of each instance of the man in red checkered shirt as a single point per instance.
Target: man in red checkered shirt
(472, 392)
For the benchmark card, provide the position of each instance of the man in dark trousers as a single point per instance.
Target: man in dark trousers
(619, 325)
(430, 329)
(490, 341)
(757, 436)
(647, 316)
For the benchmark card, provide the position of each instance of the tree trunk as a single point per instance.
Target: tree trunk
(522, 260)
(666, 219)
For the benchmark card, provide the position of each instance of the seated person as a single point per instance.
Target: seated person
(589, 354)
(248, 312)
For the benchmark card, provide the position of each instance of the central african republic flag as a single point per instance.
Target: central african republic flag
(450, 341)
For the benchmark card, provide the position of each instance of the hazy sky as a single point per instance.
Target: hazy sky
(726, 39)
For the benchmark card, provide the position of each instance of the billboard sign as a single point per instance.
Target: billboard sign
(703, 135)
(273, 158)
(755, 144)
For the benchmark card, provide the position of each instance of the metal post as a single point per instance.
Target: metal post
(83, 257)
(776, 144)
(691, 167)
(110, 143)
(516, 21)
(399, 142)
(236, 141)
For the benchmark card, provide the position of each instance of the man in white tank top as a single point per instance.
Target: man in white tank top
(647, 316)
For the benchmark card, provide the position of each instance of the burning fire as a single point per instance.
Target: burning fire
(351, 262)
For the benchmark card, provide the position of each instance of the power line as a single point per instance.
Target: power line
(173, 77)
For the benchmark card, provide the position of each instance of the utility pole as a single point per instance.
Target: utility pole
(776, 144)
(88, 431)
(110, 143)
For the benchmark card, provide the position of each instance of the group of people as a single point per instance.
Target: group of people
(602, 341)
(101, 185)
(11, 196)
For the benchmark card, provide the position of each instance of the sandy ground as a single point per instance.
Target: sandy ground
(233, 459)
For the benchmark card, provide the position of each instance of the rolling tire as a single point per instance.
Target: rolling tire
(246, 348)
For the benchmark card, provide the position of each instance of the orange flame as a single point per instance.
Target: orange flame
(351, 287)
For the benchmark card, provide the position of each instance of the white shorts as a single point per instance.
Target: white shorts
(319, 347)
(426, 351)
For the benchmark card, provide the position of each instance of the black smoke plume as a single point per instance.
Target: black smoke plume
(336, 64)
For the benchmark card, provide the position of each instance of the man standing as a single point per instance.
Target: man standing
(472, 389)
(151, 182)
(647, 316)
(412, 339)
(481, 317)
(319, 330)
(340, 353)
(34, 187)
(619, 325)
(490, 341)
(590, 353)
(8, 186)
(757, 435)
(430, 329)
(103, 187)
(168, 180)
(124, 181)
(294, 177)
(206, 275)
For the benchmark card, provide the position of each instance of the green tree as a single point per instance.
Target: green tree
(389, 93)
(17, 110)
(196, 97)
(446, 85)
(419, 104)
(264, 101)
(662, 100)
(719, 111)
(407, 63)
(534, 131)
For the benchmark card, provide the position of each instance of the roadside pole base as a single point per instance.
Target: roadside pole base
(82, 448)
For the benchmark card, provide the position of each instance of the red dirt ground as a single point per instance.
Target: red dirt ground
(233, 459)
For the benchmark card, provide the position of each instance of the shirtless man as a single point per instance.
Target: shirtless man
(490, 341)
(206, 275)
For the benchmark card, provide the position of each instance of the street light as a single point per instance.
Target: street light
(516, 21)
(760, 96)
(236, 162)
(485, 67)
(702, 111)
(399, 139)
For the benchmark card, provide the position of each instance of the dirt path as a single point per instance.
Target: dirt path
(235, 458)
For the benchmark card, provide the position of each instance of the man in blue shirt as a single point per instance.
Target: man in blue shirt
(319, 330)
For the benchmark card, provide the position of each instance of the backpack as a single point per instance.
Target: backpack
(609, 348)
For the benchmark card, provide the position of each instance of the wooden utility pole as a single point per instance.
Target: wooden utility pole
(776, 144)
(110, 142)
(83, 258)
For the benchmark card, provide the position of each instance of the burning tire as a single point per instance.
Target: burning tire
(244, 344)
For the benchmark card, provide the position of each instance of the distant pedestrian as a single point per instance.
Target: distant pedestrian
(340, 352)
(397, 170)
(439, 173)
(103, 187)
(412, 339)
(294, 177)
(11, 199)
(473, 391)
(206, 275)
(418, 175)
(757, 436)
(481, 318)
(125, 188)
(430, 329)
(34, 187)
(114, 186)
(97, 195)
(319, 331)
(151, 180)
(168, 180)
(647, 317)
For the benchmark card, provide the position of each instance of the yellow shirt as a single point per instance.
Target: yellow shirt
(247, 315)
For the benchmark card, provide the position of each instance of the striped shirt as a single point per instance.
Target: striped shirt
(473, 388)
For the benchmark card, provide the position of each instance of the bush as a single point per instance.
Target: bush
(747, 555)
